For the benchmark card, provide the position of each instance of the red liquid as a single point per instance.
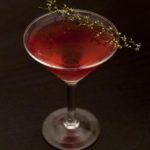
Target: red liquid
(68, 48)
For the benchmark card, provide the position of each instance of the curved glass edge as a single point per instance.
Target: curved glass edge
(63, 68)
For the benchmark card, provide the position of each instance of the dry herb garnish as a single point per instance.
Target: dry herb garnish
(69, 13)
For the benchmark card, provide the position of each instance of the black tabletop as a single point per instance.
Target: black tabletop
(117, 92)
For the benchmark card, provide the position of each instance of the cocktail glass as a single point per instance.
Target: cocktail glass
(69, 128)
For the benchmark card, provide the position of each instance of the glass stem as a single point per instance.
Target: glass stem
(71, 122)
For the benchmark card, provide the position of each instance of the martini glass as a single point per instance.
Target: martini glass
(70, 51)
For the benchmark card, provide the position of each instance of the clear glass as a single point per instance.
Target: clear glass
(69, 128)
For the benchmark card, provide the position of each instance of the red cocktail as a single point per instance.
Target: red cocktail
(70, 51)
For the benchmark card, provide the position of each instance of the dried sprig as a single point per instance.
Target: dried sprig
(51, 5)
(69, 13)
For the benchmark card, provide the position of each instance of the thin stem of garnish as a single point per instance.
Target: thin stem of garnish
(118, 39)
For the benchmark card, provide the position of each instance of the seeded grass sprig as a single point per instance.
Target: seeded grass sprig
(118, 39)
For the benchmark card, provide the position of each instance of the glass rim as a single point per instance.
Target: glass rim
(66, 68)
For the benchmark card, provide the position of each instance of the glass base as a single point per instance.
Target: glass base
(81, 136)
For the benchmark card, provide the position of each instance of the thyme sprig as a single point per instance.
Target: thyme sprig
(69, 13)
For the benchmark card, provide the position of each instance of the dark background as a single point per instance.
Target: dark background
(117, 92)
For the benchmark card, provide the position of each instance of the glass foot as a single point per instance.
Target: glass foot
(81, 136)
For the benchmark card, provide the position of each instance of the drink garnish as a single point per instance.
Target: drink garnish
(118, 39)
